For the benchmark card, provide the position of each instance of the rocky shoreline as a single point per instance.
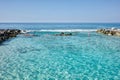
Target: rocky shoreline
(111, 32)
(5, 34)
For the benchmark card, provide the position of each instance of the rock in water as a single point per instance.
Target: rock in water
(8, 33)
(112, 32)
(64, 34)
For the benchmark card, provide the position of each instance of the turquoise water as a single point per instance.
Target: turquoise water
(86, 55)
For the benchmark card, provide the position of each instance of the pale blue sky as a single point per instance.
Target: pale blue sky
(59, 10)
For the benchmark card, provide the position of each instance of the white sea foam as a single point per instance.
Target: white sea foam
(23, 31)
(62, 30)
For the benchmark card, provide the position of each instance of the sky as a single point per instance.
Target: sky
(60, 11)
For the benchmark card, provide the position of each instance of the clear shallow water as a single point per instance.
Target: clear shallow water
(83, 56)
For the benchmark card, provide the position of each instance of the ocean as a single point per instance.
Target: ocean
(86, 55)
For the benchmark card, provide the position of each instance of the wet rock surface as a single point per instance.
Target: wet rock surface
(64, 34)
(111, 32)
(8, 33)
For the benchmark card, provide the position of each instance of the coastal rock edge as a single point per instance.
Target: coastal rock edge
(111, 32)
(8, 33)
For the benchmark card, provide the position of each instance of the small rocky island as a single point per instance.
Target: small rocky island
(5, 34)
(111, 32)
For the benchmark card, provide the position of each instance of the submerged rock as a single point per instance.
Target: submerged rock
(112, 32)
(29, 35)
(8, 33)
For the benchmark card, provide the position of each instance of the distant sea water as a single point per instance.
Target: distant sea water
(39, 26)
(86, 55)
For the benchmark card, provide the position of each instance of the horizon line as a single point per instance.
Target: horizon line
(59, 22)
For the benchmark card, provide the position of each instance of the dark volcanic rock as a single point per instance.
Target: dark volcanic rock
(8, 33)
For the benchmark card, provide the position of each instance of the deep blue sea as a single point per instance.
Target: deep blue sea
(86, 55)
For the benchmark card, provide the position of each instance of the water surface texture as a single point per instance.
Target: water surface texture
(86, 55)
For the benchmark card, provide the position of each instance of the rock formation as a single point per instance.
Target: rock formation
(64, 34)
(8, 33)
(112, 32)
